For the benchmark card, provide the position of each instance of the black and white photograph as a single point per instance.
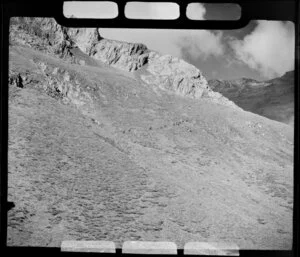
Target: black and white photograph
(151, 135)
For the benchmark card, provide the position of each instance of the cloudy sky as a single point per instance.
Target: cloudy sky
(262, 50)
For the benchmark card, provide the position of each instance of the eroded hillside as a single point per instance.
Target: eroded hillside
(98, 151)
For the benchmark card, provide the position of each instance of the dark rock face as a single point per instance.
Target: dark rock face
(273, 98)
(22, 79)
(16, 80)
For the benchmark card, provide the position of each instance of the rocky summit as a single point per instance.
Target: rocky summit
(167, 72)
(110, 140)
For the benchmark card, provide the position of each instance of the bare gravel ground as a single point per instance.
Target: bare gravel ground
(142, 164)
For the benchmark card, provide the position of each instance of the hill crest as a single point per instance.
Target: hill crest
(168, 73)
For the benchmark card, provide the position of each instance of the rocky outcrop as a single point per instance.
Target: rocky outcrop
(122, 55)
(68, 86)
(65, 86)
(44, 34)
(15, 79)
(126, 56)
(175, 75)
(22, 79)
(167, 72)
(84, 38)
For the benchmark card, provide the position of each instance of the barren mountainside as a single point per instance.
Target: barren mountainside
(75, 45)
(109, 140)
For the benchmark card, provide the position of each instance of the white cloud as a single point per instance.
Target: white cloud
(195, 11)
(202, 43)
(269, 49)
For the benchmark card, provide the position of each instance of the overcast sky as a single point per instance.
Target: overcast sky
(262, 50)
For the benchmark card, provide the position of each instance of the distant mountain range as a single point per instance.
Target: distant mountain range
(273, 98)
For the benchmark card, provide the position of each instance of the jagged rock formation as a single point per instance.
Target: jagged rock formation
(85, 38)
(273, 98)
(42, 34)
(166, 72)
(175, 75)
(45, 35)
(126, 56)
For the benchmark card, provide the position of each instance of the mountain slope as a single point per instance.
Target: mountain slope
(273, 99)
(76, 45)
(98, 153)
